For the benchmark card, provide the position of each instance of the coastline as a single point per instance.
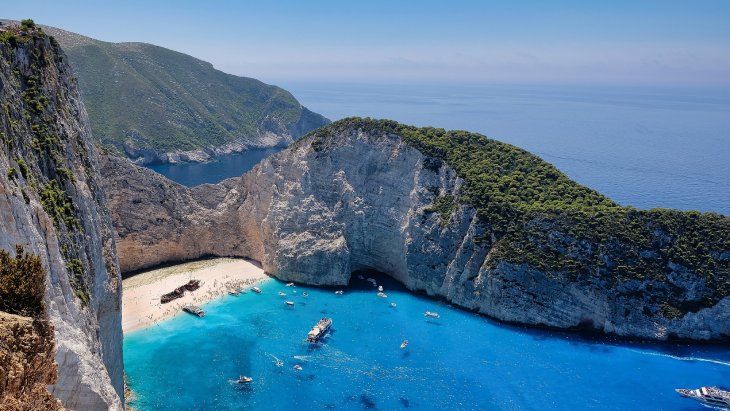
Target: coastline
(141, 305)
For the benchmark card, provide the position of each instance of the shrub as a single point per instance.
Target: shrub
(22, 282)
(27, 24)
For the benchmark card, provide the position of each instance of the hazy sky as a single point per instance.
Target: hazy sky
(597, 42)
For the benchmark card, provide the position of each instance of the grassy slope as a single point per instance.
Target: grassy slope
(169, 100)
(541, 217)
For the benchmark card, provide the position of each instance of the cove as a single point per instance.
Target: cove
(226, 166)
(460, 361)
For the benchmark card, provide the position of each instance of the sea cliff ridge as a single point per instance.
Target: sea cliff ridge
(482, 224)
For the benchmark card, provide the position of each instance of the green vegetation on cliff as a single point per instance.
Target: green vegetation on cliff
(145, 97)
(541, 218)
(22, 283)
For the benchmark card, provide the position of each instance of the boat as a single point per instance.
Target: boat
(244, 380)
(404, 344)
(707, 395)
(392, 305)
(290, 285)
(319, 329)
(380, 288)
(431, 314)
(339, 292)
(297, 367)
(382, 294)
(256, 290)
(194, 310)
(234, 293)
(282, 294)
(289, 302)
(305, 294)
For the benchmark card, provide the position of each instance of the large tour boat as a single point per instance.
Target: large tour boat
(319, 330)
(707, 395)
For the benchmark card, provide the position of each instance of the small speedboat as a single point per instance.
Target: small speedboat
(339, 292)
(244, 380)
(380, 288)
(289, 302)
(281, 294)
(382, 295)
(297, 367)
(392, 305)
(256, 290)
(404, 344)
(234, 293)
(431, 314)
(290, 285)
(305, 294)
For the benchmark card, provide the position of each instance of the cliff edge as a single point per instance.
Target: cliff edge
(52, 205)
(483, 224)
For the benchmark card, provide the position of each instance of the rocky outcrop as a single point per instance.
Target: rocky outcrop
(51, 204)
(355, 199)
(26, 364)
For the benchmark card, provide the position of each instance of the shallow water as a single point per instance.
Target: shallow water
(460, 361)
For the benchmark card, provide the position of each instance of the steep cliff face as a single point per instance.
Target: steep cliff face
(362, 195)
(51, 203)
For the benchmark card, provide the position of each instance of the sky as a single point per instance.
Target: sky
(619, 42)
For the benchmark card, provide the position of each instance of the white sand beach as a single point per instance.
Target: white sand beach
(141, 305)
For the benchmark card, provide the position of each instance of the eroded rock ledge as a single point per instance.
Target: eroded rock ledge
(355, 195)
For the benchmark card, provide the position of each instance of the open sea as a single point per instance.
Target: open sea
(460, 361)
(646, 148)
(642, 147)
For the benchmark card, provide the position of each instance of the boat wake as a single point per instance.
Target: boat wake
(277, 361)
(675, 357)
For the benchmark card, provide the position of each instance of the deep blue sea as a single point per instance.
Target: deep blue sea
(642, 147)
(230, 165)
(460, 361)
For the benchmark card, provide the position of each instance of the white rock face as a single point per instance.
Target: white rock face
(316, 212)
(88, 338)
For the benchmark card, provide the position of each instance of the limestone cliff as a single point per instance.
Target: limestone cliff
(51, 203)
(368, 195)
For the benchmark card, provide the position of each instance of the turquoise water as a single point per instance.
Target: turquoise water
(460, 361)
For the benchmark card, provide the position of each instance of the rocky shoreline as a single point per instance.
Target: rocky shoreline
(314, 214)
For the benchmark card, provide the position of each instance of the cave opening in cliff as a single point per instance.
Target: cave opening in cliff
(359, 279)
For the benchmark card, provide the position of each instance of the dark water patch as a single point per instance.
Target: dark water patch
(223, 167)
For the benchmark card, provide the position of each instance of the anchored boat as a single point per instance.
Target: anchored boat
(256, 290)
(319, 329)
(431, 314)
(194, 310)
(244, 380)
(707, 395)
